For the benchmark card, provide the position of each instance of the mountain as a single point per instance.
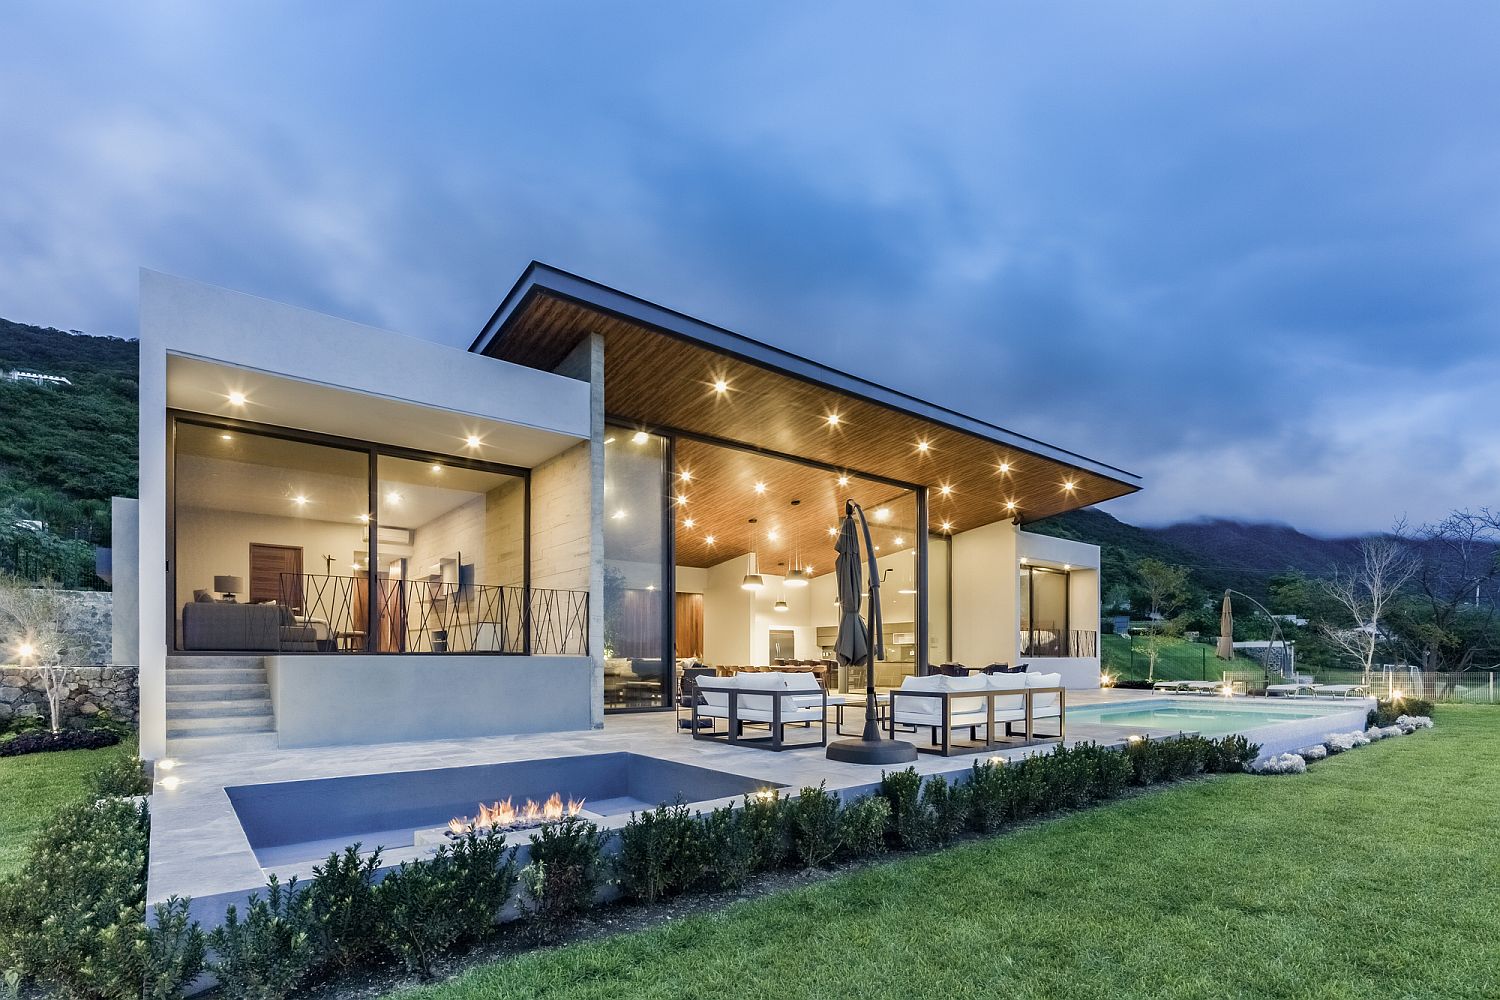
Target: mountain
(1222, 554)
(65, 449)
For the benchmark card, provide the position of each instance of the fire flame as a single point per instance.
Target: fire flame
(503, 815)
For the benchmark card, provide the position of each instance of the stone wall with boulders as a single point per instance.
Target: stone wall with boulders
(86, 624)
(90, 691)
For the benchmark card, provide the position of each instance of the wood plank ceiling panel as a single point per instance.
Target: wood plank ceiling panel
(657, 381)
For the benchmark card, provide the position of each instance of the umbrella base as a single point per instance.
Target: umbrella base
(860, 751)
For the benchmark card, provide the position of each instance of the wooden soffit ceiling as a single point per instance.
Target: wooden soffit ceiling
(663, 381)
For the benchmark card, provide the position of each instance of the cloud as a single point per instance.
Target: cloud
(1245, 251)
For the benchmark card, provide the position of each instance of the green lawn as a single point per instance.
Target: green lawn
(33, 786)
(1373, 875)
(1179, 660)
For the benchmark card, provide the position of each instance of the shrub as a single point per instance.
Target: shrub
(266, 955)
(862, 826)
(1067, 778)
(729, 847)
(989, 795)
(123, 776)
(45, 741)
(1230, 754)
(1145, 761)
(418, 919)
(1110, 771)
(813, 818)
(564, 875)
(770, 832)
(73, 917)
(662, 852)
(1182, 757)
(1388, 710)
(911, 823)
(484, 877)
(343, 910)
(948, 806)
(1028, 788)
(1414, 722)
(174, 952)
(1284, 763)
(1316, 752)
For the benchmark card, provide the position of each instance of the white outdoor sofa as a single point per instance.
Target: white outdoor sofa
(770, 698)
(943, 705)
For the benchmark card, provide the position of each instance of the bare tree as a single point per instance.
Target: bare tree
(30, 627)
(1166, 589)
(1366, 591)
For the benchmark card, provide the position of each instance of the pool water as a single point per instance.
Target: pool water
(1211, 719)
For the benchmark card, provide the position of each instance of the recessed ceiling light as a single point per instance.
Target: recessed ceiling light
(883, 514)
(947, 526)
(900, 540)
(945, 490)
(618, 515)
(833, 531)
(877, 548)
(1010, 505)
(1067, 565)
(472, 440)
(236, 398)
(709, 539)
(364, 519)
(685, 475)
(773, 535)
(843, 480)
(1069, 485)
(299, 499)
(760, 487)
(681, 500)
(393, 497)
(720, 386)
(640, 437)
(833, 420)
(922, 446)
(807, 569)
(437, 468)
(1004, 466)
(688, 522)
(227, 437)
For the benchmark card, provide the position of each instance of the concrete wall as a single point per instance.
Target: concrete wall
(356, 699)
(125, 586)
(986, 600)
(561, 527)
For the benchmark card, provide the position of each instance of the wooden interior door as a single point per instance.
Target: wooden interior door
(690, 625)
(269, 565)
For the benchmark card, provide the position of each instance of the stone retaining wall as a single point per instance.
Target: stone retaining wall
(90, 689)
(86, 623)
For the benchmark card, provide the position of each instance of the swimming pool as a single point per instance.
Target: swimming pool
(1211, 718)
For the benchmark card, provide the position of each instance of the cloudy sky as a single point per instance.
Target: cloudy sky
(1248, 250)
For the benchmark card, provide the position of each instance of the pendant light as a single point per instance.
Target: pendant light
(781, 606)
(753, 580)
(798, 576)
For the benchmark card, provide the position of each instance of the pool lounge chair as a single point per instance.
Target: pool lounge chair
(1168, 687)
(1340, 690)
(1295, 689)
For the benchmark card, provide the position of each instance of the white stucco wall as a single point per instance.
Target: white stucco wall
(197, 321)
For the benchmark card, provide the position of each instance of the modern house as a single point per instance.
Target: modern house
(350, 536)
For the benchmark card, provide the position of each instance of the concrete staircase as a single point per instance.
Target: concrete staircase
(219, 700)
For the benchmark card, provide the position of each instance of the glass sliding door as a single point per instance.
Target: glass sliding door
(637, 663)
(1044, 611)
(452, 558)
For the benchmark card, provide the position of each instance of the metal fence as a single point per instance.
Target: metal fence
(331, 614)
(1471, 686)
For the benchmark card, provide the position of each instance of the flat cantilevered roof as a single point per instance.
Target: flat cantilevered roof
(660, 364)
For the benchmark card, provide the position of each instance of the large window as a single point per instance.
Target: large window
(637, 669)
(287, 544)
(1044, 611)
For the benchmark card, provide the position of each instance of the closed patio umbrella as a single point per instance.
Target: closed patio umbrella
(1226, 629)
(859, 642)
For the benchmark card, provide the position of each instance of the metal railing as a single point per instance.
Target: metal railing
(1044, 643)
(331, 614)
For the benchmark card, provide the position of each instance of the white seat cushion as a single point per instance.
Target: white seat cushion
(1044, 703)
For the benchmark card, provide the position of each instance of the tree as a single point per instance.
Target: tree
(1450, 619)
(31, 628)
(1165, 590)
(1365, 593)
